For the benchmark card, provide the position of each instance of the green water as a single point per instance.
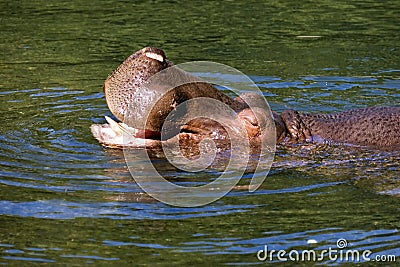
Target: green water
(65, 200)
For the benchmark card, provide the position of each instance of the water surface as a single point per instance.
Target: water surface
(65, 200)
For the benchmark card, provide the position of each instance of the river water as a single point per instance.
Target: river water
(66, 200)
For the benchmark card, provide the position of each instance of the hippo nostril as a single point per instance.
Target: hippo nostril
(155, 56)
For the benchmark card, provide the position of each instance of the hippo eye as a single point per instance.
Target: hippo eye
(155, 56)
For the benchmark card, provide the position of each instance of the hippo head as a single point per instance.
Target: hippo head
(127, 85)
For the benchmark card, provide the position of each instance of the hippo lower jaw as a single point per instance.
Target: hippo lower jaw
(120, 135)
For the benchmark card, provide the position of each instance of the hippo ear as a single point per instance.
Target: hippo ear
(296, 128)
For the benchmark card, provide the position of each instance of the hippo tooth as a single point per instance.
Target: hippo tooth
(114, 125)
(120, 128)
(154, 56)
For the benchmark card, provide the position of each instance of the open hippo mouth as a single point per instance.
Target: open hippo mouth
(153, 99)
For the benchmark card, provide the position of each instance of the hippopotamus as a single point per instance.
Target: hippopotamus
(125, 89)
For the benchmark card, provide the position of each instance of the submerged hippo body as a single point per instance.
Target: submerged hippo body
(376, 127)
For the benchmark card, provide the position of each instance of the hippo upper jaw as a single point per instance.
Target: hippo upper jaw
(121, 84)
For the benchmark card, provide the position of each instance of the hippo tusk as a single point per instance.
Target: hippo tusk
(155, 56)
(120, 128)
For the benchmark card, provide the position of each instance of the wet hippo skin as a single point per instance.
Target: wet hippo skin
(374, 127)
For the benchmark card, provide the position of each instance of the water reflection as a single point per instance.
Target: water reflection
(53, 169)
